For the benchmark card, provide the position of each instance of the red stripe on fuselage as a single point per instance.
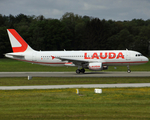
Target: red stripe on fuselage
(125, 62)
(40, 62)
(133, 62)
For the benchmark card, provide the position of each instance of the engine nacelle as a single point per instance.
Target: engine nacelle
(97, 67)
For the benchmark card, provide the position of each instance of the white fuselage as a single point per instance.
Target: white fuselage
(93, 60)
(107, 57)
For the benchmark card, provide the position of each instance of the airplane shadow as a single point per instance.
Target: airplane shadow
(95, 73)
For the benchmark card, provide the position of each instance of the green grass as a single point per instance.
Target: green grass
(9, 65)
(115, 103)
(68, 81)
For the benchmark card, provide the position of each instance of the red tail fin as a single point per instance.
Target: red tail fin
(17, 42)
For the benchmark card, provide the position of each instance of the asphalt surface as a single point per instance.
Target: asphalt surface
(75, 86)
(73, 74)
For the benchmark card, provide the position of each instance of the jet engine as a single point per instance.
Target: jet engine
(97, 67)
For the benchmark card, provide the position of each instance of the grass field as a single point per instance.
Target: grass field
(115, 103)
(68, 81)
(9, 65)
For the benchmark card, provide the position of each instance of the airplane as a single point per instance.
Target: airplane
(95, 60)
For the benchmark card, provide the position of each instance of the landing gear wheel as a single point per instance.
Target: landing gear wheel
(129, 71)
(83, 70)
(78, 71)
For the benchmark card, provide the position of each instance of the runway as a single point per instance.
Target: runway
(73, 74)
(75, 86)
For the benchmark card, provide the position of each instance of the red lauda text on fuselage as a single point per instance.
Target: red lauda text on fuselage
(109, 55)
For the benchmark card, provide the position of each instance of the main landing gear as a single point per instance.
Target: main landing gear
(78, 71)
(128, 69)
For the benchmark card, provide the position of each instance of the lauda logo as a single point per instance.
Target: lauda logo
(110, 55)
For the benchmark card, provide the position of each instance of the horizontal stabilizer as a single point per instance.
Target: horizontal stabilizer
(14, 55)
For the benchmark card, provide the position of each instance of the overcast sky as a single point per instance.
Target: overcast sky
(103, 9)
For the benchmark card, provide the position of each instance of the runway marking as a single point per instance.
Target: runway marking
(73, 74)
(75, 86)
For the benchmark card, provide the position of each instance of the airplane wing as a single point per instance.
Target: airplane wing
(75, 61)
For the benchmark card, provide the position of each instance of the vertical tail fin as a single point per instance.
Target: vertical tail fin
(17, 42)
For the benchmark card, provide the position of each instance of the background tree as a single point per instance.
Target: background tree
(75, 32)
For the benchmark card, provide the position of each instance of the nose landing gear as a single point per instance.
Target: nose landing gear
(129, 71)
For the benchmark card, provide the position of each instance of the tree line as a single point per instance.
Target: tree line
(75, 32)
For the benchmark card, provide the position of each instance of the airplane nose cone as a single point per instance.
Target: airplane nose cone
(146, 59)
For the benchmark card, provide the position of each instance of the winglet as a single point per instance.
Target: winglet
(17, 42)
